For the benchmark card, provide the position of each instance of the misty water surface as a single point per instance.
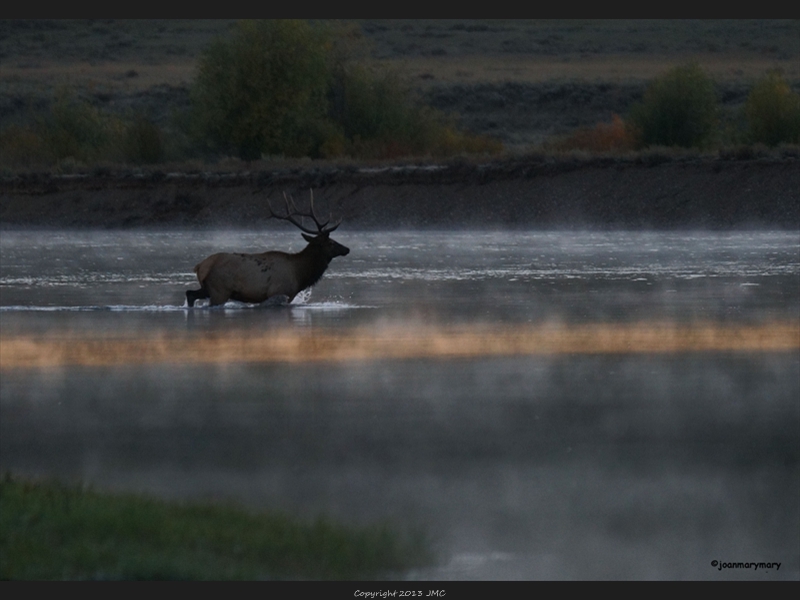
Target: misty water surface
(604, 465)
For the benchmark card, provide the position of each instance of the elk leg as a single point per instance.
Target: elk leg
(192, 295)
(218, 297)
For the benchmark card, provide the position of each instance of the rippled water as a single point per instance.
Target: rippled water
(619, 462)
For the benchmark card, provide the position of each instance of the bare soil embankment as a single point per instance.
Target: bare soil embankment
(646, 192)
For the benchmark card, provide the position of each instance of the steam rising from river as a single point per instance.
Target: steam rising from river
(555, 405)
(395, 343)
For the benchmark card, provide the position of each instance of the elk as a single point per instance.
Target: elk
(254, 278)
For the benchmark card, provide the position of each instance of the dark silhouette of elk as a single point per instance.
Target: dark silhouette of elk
(255, 278)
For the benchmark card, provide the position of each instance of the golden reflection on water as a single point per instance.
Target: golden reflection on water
(391, 342)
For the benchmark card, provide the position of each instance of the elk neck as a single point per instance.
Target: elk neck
(312, 262)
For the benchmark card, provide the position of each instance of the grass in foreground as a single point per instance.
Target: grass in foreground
(50, 530)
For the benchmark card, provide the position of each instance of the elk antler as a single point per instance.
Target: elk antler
(292, 211)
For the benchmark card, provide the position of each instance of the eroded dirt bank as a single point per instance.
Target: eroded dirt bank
(532, 193)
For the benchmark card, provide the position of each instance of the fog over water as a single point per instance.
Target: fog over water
(617, 460)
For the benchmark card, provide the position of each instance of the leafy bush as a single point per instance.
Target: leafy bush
(603, 137)
(380, 118)
(449, 141)
(264, 91)
(76, 129)
(143, 142)
(773, 112)
(376, 108)
(291, 88)
(73, 132)
(678, 109)
(21, 145)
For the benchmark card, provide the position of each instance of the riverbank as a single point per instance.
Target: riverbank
(650, 191)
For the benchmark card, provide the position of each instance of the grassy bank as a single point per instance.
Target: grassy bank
(49, 530)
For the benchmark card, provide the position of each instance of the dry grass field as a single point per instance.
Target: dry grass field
(103, 52)
(614, 68)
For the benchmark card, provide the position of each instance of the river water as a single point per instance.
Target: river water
(544, 405)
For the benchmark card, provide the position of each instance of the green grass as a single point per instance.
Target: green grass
(49, 530)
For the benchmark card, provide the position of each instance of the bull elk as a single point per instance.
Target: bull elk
(255, 278)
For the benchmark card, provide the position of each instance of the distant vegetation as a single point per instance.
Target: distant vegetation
(77, 133)
(603, 137)
(773, 112)
(292, 88)
(288, 90)
(680, 109)
(281, 88)
(263, 91)
(56, 531)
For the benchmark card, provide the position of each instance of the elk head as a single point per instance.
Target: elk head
(319, 240)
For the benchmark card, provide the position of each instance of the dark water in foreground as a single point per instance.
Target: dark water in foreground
(627, 465)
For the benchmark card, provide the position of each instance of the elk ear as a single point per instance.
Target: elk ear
(308, 238)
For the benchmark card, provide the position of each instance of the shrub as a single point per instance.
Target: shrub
(375, 108)
(603, 137)
(678, 109)
(143, 142)
(773, 112)
(264, 90)
(448, 141)
(76, 129)
(378, 116)
(23, 146)
(291, 88)
(73, 131)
